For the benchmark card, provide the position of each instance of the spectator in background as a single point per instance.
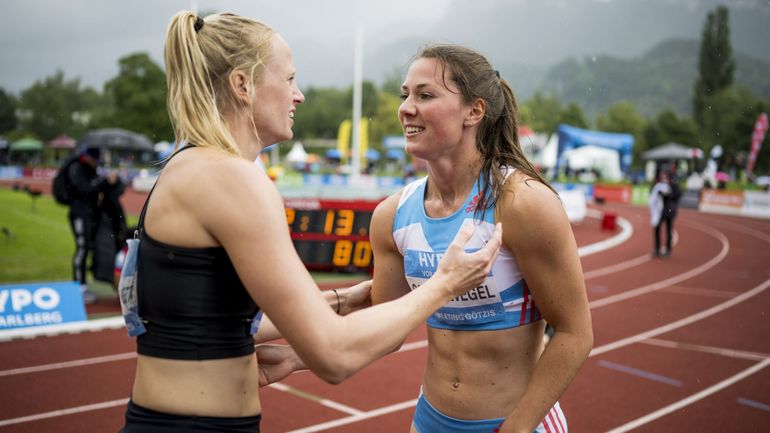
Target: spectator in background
(109, 223)
(84, 185)
(664, 202)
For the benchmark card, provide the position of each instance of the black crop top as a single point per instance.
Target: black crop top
(193, 304)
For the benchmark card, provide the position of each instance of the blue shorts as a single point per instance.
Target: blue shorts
(141, 420)
(427, 419)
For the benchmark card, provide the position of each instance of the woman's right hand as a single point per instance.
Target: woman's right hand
(463, 271)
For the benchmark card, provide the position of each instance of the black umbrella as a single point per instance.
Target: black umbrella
(116, 138)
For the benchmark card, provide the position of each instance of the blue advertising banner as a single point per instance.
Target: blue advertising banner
(37, 304)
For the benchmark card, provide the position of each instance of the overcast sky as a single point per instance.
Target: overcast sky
(85, 38)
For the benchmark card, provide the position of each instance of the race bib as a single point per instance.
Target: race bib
(481, 304)
(127, 291)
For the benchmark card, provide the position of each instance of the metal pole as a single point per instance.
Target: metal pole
(355, 165)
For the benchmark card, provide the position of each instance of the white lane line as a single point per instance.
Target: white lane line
(700, 292)
(355, 418)
(622, 266)
(673, 280)
(690, 400)
(626, 230)
(617, 267)
(419, 344)
(317, 399)
(746, 230)
(644, 374)
(680, 323)
(69, 364)
(754, 404)
(730, 353)
(63, 412)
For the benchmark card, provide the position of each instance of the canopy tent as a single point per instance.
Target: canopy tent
(672, 151)
(62, 142)
(333, 154)
(116, 138)
(372, 155)
(394, 142)
(297, 154)
(395, 154)
(605, 161)
(571, 138)
(26, 145)
(394, 146)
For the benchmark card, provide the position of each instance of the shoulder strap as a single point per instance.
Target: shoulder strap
(140, 224)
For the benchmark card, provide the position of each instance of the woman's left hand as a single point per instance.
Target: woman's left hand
(276, 362)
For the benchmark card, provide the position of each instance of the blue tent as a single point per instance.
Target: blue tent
(395, 154)
(394, 142)
(571, 138)
(372, 155)
(333, 154)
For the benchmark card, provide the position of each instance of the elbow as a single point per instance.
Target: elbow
(331, 363)
(334, 371)
(587, 343)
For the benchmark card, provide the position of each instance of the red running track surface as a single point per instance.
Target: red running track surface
(681, 345)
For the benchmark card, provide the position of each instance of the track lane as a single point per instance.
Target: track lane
(298, 407)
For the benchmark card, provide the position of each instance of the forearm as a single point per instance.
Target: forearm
(366, 335)
(267, 330)
(555, 370)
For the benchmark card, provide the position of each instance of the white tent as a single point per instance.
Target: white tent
(605, 161)
(297, 153)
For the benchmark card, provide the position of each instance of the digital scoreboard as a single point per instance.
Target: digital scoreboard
(331, 234)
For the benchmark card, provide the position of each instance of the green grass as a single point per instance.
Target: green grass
(41, 245)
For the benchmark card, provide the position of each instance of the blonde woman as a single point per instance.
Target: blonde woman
(215, 247)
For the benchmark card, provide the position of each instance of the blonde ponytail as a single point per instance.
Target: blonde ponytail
(199, 60)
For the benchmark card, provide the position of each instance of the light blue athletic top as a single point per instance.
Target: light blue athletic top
(503, 301)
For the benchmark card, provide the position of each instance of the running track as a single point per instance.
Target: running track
(681, 345)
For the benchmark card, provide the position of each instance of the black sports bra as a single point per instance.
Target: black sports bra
(193, 304)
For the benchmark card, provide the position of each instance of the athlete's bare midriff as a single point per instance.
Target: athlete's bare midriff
(219, 388)
(480, 374)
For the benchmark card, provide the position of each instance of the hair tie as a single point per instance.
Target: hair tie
(497, 73)
(198, 24)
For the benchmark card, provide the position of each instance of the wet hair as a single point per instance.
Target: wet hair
(200, 55)
(498, 136)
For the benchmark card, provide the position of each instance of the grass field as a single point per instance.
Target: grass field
(37, 245)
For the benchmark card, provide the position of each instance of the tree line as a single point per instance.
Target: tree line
(135, 99)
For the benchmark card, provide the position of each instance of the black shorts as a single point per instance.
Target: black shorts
(142, 420)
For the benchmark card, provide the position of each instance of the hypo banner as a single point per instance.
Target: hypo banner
(37, 304)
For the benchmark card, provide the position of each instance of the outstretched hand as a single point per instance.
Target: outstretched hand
(276, 362)
(464, 270)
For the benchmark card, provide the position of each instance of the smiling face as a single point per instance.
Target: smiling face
(276, 97)
(433, 112)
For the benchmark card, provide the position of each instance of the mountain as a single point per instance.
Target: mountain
(661, 78)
